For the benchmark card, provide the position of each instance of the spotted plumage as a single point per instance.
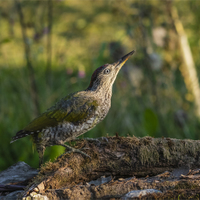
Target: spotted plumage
(76, 113)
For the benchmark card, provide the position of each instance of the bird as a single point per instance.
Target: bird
(76, 113)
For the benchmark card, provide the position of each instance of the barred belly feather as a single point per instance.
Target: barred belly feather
(67, 131)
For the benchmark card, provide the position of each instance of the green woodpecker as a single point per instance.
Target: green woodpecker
(76, 113)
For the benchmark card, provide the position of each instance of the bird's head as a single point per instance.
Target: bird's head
(104, 76)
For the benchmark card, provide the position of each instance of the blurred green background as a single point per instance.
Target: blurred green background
(49, 49)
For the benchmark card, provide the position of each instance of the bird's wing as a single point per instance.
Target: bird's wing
(69, 109)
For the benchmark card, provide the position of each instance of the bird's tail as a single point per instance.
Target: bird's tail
(20, 134)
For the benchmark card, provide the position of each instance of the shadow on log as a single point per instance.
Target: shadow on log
(117, 159)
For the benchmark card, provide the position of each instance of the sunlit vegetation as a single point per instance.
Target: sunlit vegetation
(150, 96)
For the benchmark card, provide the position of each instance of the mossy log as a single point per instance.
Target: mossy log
(119, 157)
(171, 187)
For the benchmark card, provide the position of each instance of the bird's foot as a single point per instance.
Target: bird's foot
(96, 139)
(73, 150)
(92, 140)
(79, 151)
(104, 138)
(88, 139)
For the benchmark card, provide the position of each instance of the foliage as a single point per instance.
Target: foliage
(149, 95)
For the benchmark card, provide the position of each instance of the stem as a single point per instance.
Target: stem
(27, 51)
(49, 48)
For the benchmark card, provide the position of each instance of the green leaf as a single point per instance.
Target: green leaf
(6, 40)
(150, 122)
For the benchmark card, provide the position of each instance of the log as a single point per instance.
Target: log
(172, 187)
(17, 173)
(14, 179)
(116, 157)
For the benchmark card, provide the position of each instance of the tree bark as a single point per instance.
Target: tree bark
(173, 187)
(118, 157)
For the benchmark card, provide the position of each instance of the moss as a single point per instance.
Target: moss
(186, 185)
(170, 142)
(192, 147)
(127, 159)
(166, 153)
(148, 155)
(146, 140)
(146, 151)
(129, 141)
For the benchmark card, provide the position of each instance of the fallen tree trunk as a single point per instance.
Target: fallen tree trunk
(116, 157)
(182, 186)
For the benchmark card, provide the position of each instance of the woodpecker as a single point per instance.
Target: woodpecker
(76, 113)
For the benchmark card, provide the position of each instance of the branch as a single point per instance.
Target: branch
(27, 51)
(49, 48)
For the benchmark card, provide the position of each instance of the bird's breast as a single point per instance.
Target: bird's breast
(66, 131)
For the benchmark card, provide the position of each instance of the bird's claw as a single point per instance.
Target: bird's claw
(73, 150)
(104, 138)
(93, 140)
(78, 151)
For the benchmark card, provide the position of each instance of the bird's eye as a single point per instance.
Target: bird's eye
(106, 71)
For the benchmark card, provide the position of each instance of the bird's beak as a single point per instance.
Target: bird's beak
(122, 60)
